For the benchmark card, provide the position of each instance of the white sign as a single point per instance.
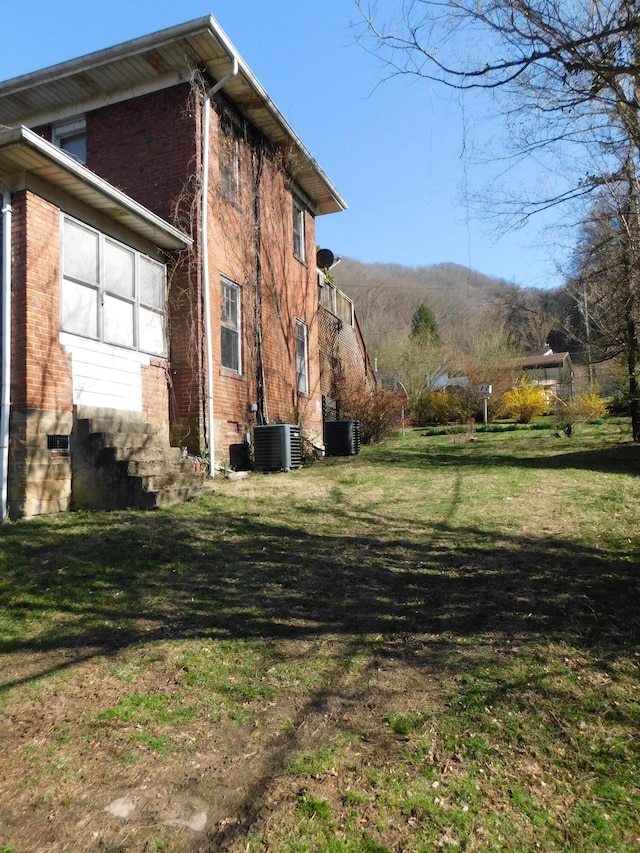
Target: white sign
(485, 389)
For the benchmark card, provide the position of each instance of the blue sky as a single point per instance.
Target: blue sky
(399, 153)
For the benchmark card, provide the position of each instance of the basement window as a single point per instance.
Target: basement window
(58, 446)
(57, 442)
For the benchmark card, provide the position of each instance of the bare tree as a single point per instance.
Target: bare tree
(568, 76)
(606, 286)
(573, 65)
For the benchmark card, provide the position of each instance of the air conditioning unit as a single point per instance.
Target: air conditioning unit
(277, 447)
(341, 438)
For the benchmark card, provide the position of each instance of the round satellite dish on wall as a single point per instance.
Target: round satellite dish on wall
(324, 258)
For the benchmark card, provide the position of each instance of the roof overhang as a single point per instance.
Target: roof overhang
(154, 62)
(23, 152)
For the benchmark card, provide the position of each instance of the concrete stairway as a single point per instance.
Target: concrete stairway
(121, 459)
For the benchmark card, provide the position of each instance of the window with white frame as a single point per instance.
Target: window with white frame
(111, 292)
(230, 315)
(71, 136)
(298, 229)
(302, 357)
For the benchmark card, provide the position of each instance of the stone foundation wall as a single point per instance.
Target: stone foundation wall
(39, 477)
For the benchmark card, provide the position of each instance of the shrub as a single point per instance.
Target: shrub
(585, 407)
(524, 401)
(454, 404)
(377, 410)
(433, 407)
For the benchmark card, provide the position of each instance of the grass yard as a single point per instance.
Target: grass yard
(431, 646)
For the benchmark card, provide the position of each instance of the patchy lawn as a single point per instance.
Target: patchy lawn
(431, 646)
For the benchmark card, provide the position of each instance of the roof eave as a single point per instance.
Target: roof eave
(209, 47)
(23, 151)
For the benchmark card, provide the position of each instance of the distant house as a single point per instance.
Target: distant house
(158, 281)
(553, 371)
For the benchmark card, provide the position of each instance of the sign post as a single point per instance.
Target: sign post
(485, 391)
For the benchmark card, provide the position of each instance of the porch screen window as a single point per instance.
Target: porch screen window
(302, 359)
(110, 292)
(230, 325)
(298, 229)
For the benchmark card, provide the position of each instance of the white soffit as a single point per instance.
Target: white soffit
(154, 62)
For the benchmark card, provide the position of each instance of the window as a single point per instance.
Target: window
(230, 325)
(229, 165)
(298, 230)
(302, 358)
(71, 136)
(110, 292)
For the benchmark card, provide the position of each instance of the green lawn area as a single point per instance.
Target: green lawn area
(431, 646)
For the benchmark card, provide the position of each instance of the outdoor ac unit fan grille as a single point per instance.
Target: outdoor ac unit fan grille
(277, 447)
(341, 438)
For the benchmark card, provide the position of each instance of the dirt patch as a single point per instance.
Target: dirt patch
(224, 783)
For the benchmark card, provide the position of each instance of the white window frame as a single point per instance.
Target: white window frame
(146, 314)
(65, 130)
(231, 322)
(299, 244)
(302, 357)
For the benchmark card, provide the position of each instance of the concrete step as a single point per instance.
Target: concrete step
(135, 463)
(177, 494)
(150, 467)
(169, 480)
(127, 440)
(127, 426)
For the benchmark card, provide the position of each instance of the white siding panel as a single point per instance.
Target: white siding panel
(105, 376)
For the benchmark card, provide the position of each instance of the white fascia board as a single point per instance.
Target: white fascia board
(150, 225)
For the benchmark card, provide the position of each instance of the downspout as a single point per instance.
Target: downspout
(5, 355)
(206, 295)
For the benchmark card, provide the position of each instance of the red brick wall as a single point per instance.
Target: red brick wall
(149, 148)
(41, 369)
(154, 390)
(146, 146)
(284, 286)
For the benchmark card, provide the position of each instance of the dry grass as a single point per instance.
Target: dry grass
(431, 646)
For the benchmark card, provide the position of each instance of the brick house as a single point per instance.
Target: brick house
(158, 271)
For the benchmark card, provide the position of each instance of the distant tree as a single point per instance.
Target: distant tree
(532, 316)
(424, 328)
(411, 364)
(484, 350)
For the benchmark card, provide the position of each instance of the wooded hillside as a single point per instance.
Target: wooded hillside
(474, 313)
(386, 296)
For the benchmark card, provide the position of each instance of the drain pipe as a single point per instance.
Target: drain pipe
(5, 355)
(206, 104)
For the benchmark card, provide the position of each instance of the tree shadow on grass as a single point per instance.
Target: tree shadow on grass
(115, 580)
(94, 585)
(621, 459)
